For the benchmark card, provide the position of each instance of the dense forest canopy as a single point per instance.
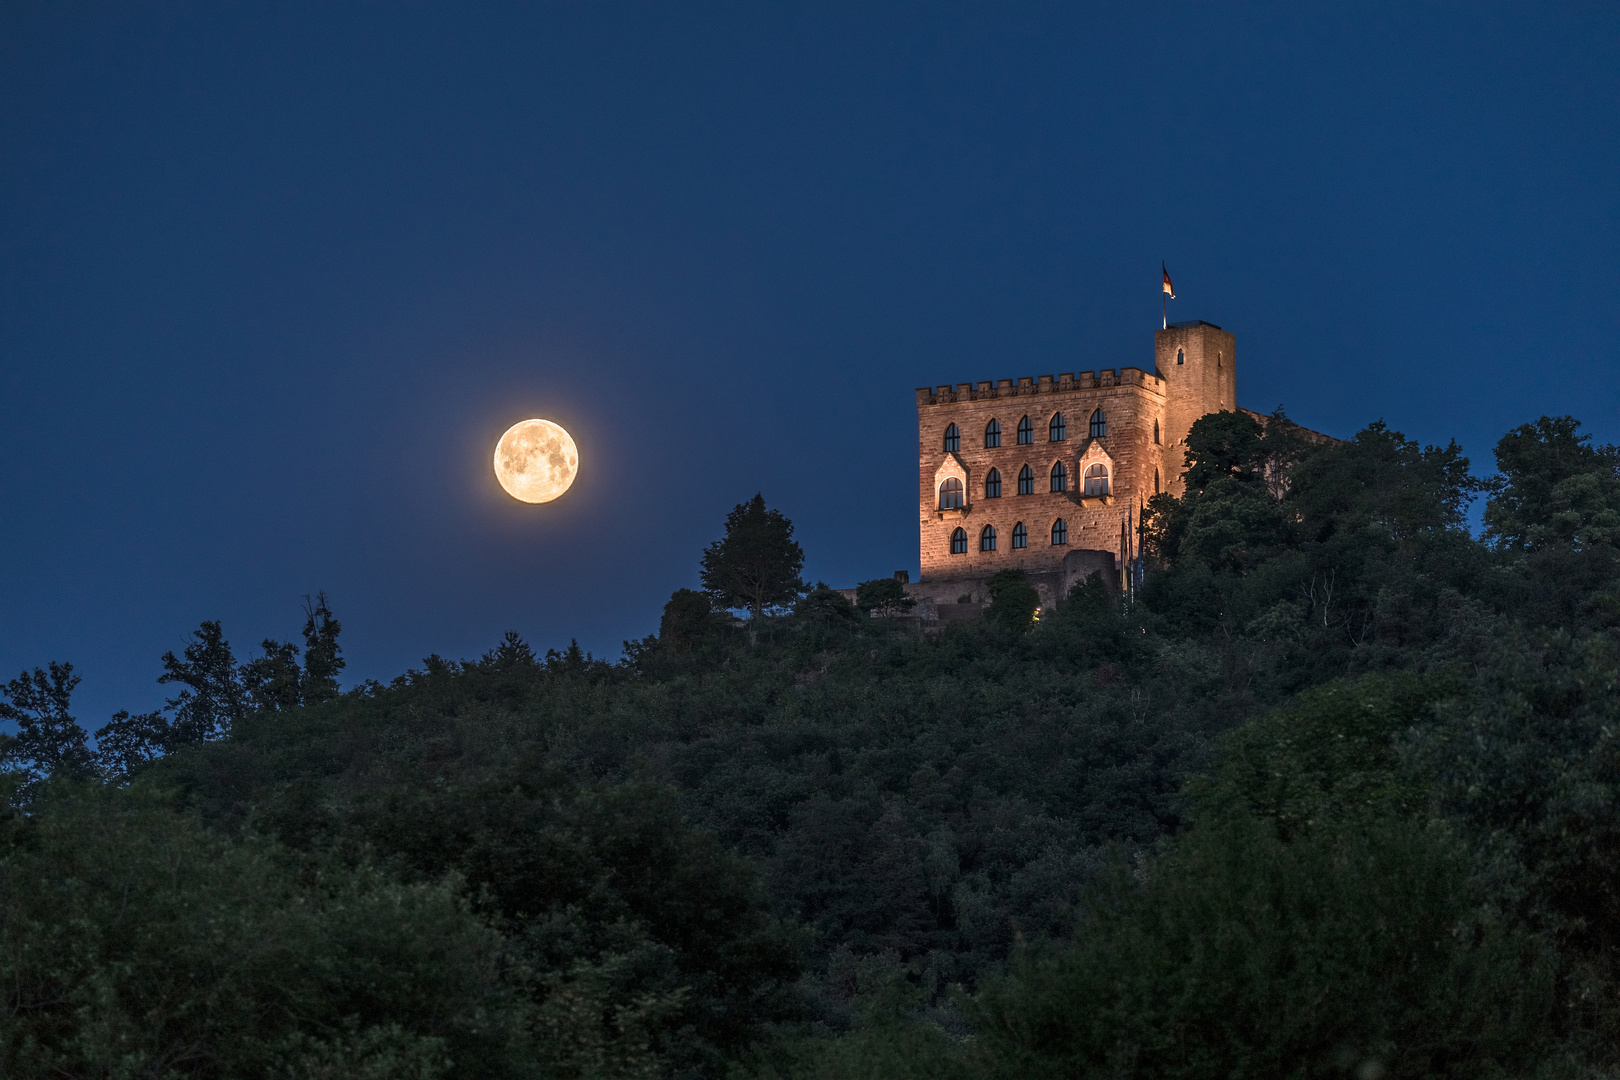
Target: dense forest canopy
(1333, 794)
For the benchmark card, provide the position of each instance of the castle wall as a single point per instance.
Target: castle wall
(1131, 399)
(1149, 415)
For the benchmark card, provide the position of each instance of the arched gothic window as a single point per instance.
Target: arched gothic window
(950, 494)
(1060, 532)
(1181, 357)
(992, 484)
(1020, 536)
(1026, 481)
(1096, 479)
(953, 440)
(1060, 477)
(959, 542)
(992, 435)
(1026, 432)
(1099, 424)
(1155, 433)
(987, 538)
(1056, 431)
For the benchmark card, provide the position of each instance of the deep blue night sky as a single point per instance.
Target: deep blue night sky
(273, 278)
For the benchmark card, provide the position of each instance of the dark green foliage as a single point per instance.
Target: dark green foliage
(884, 597)
(826, 606)
(274, 682)
(1353, 953)
(323, 657)
(134, 942)
(688, 619)
(1224, 445)
(756, 564)
(49, 742)
(1013, 600)
(129, 741)
(1332, 754)
(211, 697)
(1554, 488)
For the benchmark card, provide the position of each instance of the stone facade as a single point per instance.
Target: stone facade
(1139, 445)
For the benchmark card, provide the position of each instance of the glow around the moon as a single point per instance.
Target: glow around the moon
(536, 461)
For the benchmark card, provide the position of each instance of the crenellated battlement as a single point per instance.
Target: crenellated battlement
(1030, 385)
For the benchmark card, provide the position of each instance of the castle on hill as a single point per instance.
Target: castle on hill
(1042, 474)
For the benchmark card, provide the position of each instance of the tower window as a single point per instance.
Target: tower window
(992, 435)
(953, 440)
(1055, 431)
(1099, 424)
(959, 542)
(1026, 481)
(1060, 477)
(1060, 532)
(1096, 479)
(987, 538)
(1181, 357)
(950, 494)
(1020, 536)
(992, 484)
(1155, 433)
(1155, 479)
(1026, 432)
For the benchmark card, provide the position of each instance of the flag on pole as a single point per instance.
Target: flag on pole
(1168, 288)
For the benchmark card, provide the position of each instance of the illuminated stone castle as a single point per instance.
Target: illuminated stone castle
(1039, 474)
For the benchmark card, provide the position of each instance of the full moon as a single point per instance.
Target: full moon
(536, 461)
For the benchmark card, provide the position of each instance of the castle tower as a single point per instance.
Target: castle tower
(1198, 363)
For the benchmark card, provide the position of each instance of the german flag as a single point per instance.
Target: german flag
(1168, 288)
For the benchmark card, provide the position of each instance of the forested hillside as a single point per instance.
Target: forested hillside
(1333, 794)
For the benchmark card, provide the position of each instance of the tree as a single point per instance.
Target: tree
(756, 566)
(212, 697)
(688, 618)
(49, 741)
(883, 597)
(1224, 444)
(1013, 600)
(323, 659)
(826, 605)
(274, 682)
(1554, 487)
(129, 741)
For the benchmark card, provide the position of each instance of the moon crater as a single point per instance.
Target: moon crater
(536, 461)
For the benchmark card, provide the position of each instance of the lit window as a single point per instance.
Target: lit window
(950, 494)
(953, 440)
(1055, 431)
(1026, 432)
(1026, 481)
(1060, 532)
(992, 435)
(1099, 424)
(1155, 433)
(992, 484)
(1181, 357)
(1060, 477)
(987, 538)
(959, 542)
(1020, 536)
(1096, 479)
